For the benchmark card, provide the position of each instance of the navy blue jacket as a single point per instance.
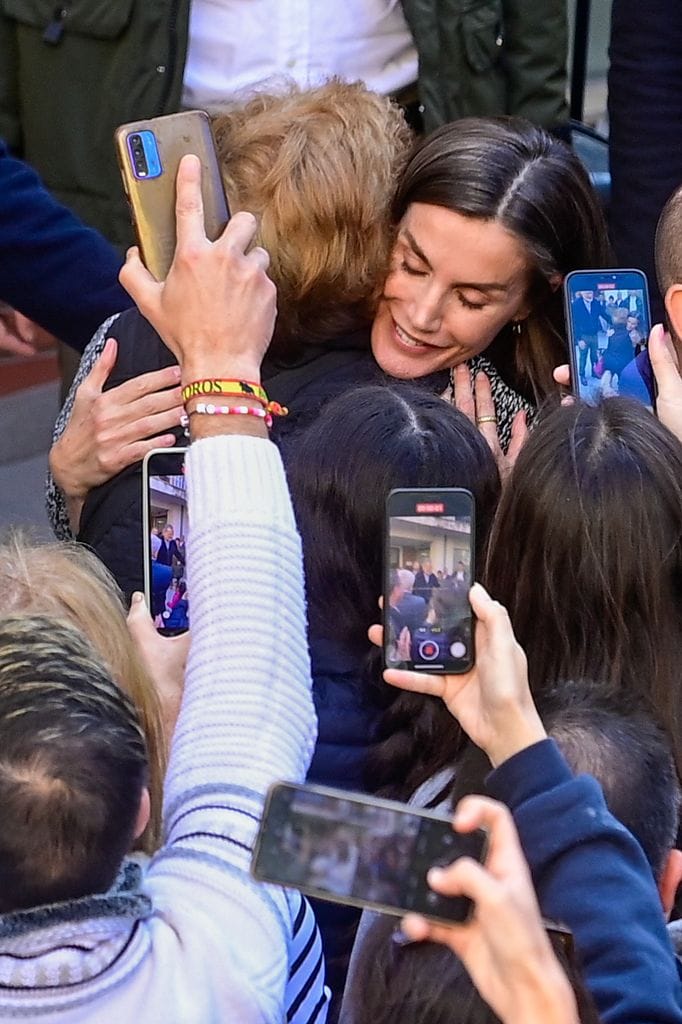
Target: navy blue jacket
(347, 717)
(592, 875)
(53, 269)
(586, 323)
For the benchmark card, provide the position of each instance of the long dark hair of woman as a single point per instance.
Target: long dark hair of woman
(586, 554)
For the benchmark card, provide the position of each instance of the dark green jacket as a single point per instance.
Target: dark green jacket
(486, 57)
(109, 61)
(72, 71)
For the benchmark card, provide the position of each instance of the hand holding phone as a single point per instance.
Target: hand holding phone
(429, 569)
(608, 321)
(149, 154)
(361, 851)
(506, 941)
(492, 702)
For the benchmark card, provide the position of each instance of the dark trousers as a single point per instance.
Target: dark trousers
(591, 348)
(645, 114)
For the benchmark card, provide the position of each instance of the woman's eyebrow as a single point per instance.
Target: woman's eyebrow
(479, 286)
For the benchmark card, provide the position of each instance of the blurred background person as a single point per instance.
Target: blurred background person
(69, 76)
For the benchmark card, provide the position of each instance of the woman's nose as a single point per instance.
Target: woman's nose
(427, 310)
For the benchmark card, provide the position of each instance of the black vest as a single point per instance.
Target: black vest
(111, 521)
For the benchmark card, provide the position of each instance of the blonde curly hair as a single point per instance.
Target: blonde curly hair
(318, 167)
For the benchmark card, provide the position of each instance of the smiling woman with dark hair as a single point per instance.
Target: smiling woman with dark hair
(490, 215)
(479, 229)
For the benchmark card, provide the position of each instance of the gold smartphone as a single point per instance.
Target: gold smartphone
(149, 153)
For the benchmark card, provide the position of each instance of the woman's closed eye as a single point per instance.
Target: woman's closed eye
(468, 304)
(410, 268)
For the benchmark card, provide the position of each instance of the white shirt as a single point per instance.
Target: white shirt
(236, 44)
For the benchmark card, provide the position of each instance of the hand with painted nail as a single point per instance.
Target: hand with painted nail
(504, 947)
(110, 430)
(492, 702)
(665, 365)
(475, 400)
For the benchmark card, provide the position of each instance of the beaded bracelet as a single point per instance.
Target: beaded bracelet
(208, 409)
(218, 386)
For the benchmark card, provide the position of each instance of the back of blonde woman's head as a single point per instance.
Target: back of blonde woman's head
(69, 582)
(318, 167)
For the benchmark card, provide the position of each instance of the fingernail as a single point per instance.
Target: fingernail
(137, 597)
(176, 372)
(434, 875)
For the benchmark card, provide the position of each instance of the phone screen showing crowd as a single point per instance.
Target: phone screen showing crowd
(609, 319)
(428, 619)
(168, 530)
(359, 851)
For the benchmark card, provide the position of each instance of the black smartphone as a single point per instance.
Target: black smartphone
(608, 320)
(429, 569)
(165, 531)
(360, 850)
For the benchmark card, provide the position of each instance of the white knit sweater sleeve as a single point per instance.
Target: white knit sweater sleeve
(246, 720)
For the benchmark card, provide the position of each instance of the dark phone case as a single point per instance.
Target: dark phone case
(443, 842)
(152, 200)
(399, 502)
(569, 284)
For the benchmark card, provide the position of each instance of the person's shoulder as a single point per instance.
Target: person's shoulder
(140, 348)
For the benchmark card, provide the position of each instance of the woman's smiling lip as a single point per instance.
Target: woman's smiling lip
(410, 342)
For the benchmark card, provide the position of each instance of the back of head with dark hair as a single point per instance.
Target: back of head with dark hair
(425, 983)
(586, 554)
(617, 741)
(364, 444)
(508, 170)
(620, 744)
(73, 763)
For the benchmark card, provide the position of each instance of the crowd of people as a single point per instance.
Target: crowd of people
(168, 591)
(402, 299)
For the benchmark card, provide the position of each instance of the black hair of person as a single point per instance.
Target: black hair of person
(363, 445)
(586, 554)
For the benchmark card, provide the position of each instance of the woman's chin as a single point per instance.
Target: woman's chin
(404, 363)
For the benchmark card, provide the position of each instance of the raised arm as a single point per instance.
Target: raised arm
(53, 268)
(246, 716)
(589, 872)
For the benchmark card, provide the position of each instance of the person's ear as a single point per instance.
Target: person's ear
(673, 307)
(143, 813)
(670, 879)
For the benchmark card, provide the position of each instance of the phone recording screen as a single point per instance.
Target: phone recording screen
(359, 850)
(167, 533)
(609, 324)
(427, 615)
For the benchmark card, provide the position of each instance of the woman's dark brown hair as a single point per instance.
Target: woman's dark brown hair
(586, 554)
(509, 171)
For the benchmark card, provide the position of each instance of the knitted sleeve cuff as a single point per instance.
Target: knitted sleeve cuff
(242, 476)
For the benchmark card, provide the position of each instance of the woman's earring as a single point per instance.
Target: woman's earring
(516, 327)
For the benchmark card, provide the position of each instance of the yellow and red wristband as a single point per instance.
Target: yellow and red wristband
(229, 388)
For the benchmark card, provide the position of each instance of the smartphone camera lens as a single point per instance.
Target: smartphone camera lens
(138, 155)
